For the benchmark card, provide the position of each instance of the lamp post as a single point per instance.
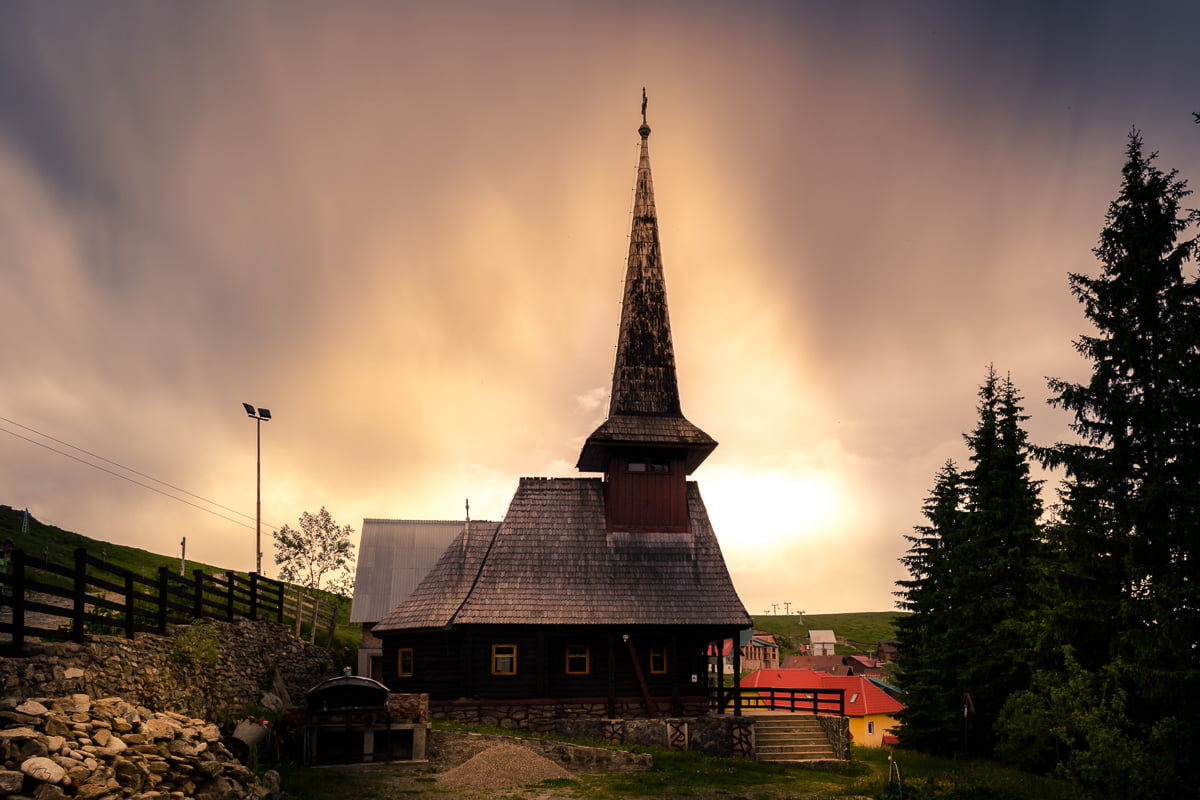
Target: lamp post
(260, 416)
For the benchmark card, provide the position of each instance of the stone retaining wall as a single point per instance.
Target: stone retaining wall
(711, 734)
(542, 716)
(213, 670)
(837, 731)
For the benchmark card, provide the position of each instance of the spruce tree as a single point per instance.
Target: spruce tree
(1130, 589)
(976, 573)
(1000, 563)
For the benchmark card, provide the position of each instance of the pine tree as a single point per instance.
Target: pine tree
(1130, 588)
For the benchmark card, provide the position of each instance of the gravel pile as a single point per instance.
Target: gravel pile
(503, 766)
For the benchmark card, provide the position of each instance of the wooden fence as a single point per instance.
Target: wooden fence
(92, 596)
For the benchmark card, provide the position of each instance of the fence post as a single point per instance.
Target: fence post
(299, 610)
(279, 594)
(160, 621)
(229, 582)
(198, 601)
(312, 632)
(254, 595)
(18, 601)
(332, 627)
(129, 609)
(78, 595)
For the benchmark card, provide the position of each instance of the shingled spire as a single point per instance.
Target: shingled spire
(644, 405)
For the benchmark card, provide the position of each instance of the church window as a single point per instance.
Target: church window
(579, 659)
(658, 660)
(404, 662)
(504, 659)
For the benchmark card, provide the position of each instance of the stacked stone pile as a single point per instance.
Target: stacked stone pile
(108, 749)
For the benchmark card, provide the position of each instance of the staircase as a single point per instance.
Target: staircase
(791, 737)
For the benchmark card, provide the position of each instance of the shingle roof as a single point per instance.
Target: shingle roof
(644, 404)
(552, 562)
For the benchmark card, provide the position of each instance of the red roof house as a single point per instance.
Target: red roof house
(870, 709)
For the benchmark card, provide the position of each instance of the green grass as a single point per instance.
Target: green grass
(689, 775)
(866, 628)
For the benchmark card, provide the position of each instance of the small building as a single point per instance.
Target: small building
(758, 650)
(832, 665)
(821, 643)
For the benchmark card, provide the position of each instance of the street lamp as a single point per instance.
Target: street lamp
(260, 416)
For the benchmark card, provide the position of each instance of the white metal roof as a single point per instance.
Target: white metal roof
(393, 556)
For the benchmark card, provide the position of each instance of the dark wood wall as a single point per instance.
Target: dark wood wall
(458, 663)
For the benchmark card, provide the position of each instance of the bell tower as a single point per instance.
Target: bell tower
(646, 448)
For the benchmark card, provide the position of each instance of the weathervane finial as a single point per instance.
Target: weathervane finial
(645, 129)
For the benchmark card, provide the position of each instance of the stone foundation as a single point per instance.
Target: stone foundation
(543, 715)
(212, 670)
(837, 731)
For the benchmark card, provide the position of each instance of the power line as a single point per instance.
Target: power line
(126, 477)
(122, 466)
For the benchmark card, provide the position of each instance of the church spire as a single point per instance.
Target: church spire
(644, 379)
(644, 409)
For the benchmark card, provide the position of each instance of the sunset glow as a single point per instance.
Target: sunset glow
(402, 228)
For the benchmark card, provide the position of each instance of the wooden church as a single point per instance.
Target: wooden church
(595, 596)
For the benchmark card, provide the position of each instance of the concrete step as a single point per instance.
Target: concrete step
(793, 738)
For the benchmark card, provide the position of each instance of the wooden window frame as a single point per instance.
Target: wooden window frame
(648, 466)
(500, 651)
(569, 656)
(404, 653)
(658, 653)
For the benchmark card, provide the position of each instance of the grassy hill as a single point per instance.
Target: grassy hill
(60, 545)
(860, 630)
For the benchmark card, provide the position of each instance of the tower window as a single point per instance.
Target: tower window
(658, 660)
(644, 465)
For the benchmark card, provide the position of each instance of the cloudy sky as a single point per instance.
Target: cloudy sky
(401, 227)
